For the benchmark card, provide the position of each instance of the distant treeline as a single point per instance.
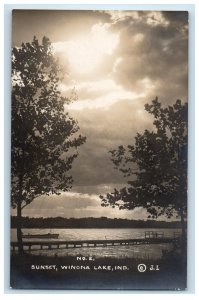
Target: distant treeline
(102, 222)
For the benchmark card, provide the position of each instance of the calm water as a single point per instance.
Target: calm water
(139, 251)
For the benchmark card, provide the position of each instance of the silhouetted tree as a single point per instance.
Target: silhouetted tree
(44, 137)
(156, 165)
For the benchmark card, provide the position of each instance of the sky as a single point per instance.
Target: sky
(117, 61)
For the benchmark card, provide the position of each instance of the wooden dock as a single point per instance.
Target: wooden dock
(50, 245)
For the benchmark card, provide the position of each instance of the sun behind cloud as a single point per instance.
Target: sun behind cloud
(86, 52)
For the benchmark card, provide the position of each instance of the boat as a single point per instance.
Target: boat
(41, 236)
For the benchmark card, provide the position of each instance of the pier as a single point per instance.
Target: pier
(150, 238)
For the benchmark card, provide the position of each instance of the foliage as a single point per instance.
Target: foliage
(44, 137)
(156, 165)
(90, 222)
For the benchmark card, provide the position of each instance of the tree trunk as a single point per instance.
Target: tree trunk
(19, 231)
(183, 226)
(19, 207)
(184, 236)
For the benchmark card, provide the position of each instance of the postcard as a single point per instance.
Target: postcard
(99, 150)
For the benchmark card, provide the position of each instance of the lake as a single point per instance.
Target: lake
(137, 251)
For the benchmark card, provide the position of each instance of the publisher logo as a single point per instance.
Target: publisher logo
(141, 267)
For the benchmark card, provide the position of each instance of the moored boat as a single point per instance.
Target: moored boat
(42, 236)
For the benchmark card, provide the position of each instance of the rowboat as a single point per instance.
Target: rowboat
(41, 236)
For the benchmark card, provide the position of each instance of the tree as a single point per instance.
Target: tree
(44, 137)
(156, 165)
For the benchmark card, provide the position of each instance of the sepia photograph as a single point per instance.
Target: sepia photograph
(99, 145)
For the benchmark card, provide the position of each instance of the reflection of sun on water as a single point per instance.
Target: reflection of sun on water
(86, 52)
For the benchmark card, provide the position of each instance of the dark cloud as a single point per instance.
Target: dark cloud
(179, 18)
(57, 25)
(106, 130)
(158, 53)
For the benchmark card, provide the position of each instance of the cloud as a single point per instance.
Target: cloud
(159, 55)
(176, 18)
(151, 18)
(106, 130)
(118, 15)
(109, 92)
(76, 205)
(64, 201)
